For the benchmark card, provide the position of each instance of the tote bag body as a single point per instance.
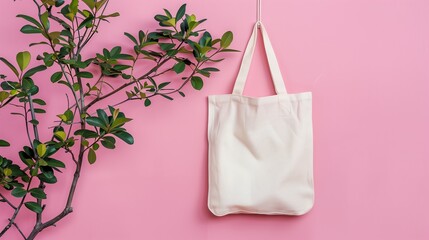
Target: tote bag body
(260, 149)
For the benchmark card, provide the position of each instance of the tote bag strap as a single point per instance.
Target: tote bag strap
(247, 59)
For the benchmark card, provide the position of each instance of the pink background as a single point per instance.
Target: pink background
(366, 63)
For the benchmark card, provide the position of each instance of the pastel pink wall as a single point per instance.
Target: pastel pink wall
(366, 63)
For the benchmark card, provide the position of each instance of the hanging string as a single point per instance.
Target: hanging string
(258, 13)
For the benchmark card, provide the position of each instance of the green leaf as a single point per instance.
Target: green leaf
(39, 101)
(124, 136)
(27, 85)
(210, 69)
(206, 40)
(34, 122)
(84, 75)
(100, 4)
(34, 206)
(166, 46)
(38, 43)
(147, 102)
(7, 172)
(38, 193)
(89, 3)
(4, 143)
(42, 162)
(34, 70)
(95, 146)
(25, 158)
(170, 22)
(92, 157)
(163, 85)
(229, 50)
(131, 37)
(204, 73)
(226, 39)
(18, 192)
(10, 66)
(67, 117)
(119, 122)
(15, 184)
(103, 116)
(115, 14)
(161, 18)
(121, 67)
(106, 53)
(179, 67)
(47, 171)
(115, 51)
(141, 36)
(29, 29)
(41, 149)
(74, 7)
(23, 59)
(30, 19)
(181, 12)
(55, 163)
(216, 60)
(86, 22)
(167, 97)
(4, 95)
(56, 77)
(61, 135)
(197, 82)
(76, 86)
(168, 13)
(125, 56)
(45, 20)
(47, 180)
(108, 142)
(50, 150)
(182, 94)
(86, 133)
(34, 171)
(49, 2)
(96, 122)
(58, 3)
(39, 110)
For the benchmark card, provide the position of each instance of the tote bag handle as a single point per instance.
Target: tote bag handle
(247, 59)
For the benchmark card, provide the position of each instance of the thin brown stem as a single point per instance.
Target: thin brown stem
(126, 85)
(17, 209)
(19, 229)
(93, 30)
(156, 93)
(7, 201)
(27, 129)
(33, 117)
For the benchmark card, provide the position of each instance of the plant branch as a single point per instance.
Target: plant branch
(27, 130)
(72, 39)
(7, 201)
(126, 84)
(33, 117)
(17, 209)
(19, 229)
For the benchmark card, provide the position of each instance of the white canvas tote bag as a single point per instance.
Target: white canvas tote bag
(260, 149)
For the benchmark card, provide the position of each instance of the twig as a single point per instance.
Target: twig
(15, 213)
(7, 201)
(27, 130)
(91, 34)
(126, 85)
(33, 117)
(19, 230)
